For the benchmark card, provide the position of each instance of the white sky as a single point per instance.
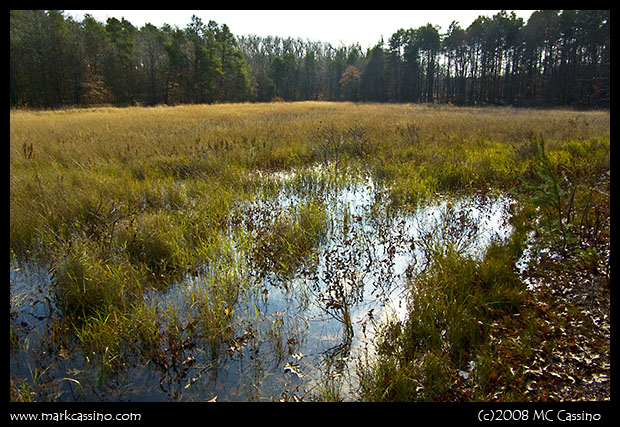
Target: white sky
(337, 27)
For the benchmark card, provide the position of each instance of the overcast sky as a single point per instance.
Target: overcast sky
(337, 27)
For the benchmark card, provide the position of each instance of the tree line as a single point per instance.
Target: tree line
(556, 58)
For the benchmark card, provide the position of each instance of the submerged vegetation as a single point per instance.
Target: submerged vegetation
(154, 238)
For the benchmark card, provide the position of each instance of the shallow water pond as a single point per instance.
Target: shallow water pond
(308, 269)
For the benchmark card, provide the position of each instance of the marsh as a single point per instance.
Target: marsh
(292, 251)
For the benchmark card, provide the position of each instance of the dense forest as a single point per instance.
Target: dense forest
(556, 58)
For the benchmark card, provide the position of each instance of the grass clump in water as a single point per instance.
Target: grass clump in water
(291, 238)
(157, 243)
(86, 283)
(452, 303)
